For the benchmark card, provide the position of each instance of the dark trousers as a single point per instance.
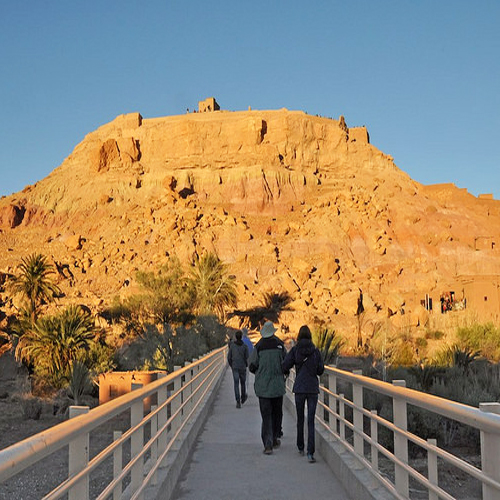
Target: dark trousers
(300, 402)
(240, 379)
(271, 411)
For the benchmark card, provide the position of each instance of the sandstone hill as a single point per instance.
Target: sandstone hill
(291, 202)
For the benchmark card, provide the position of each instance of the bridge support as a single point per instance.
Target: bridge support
(78, 458)
(400, 441)
(490, 451)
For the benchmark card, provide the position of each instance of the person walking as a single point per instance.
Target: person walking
(308, 363)
(238, 361)
(265, 362)
(246, 340)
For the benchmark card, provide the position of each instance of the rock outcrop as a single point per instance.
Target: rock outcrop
(292, 203)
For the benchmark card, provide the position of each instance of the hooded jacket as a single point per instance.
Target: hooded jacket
(308, 366)
(265, 362)
(237, 356)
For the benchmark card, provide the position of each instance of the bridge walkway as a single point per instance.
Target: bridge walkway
(228, 462)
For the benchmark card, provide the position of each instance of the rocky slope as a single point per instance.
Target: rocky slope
(291, 202)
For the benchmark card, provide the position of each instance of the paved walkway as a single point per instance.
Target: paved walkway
(228, 462)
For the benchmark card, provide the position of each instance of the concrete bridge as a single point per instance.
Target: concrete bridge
(182, 438)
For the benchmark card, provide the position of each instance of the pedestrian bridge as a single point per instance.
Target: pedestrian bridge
(181, 437)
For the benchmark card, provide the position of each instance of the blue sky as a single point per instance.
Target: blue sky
(423, 76)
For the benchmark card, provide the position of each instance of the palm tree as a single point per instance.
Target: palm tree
(56, 342)
(34, 283)
(213, 288)
(328, 344)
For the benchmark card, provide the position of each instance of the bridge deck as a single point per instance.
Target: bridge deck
(228, 462)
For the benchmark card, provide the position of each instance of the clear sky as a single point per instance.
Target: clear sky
(422, 75)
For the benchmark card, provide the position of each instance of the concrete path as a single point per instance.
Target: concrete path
(228, 462)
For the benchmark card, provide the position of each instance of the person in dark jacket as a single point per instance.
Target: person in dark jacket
(308, 363)
(238, 361)
(265, 362)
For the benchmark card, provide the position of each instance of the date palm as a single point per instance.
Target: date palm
(34, 283)
(214, 289)
(56, 342)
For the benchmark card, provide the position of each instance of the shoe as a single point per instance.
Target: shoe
(243, 399)
(301, 453)
(268, 450)
(310, 458)
(276, 443)
(238, 404)
(280, 435)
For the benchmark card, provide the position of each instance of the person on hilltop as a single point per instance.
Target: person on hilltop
(238, 361)
(308, 363)
(265, 362)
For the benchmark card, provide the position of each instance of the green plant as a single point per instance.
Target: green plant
(328, 344)
(34, 283)
(483, 338)
(213, 288)
(32, 407)
(55, 342)
(434, 335)
(164, 298)
(80, 382)
(456, 356)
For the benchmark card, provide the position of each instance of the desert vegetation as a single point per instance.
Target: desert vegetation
(177, 314)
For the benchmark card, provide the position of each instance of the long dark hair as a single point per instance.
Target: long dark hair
(304, 333)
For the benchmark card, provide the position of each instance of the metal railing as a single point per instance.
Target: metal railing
(132, 457)
(391, 458)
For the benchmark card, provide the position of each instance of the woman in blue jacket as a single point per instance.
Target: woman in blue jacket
(308, 363)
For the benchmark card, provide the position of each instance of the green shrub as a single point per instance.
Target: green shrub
(482, 338)
(434, 335)
(328, 343)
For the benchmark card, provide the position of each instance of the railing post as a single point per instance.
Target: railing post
(342, 416)
(188, 374)
(400, 441)
(136, 442)
(490, 450)
(117, 465)
(176, 401)
(357, 416)
(78, 458)
(154, 445)
(332, 403)
(432, 468)
(162, 396)
(374, 436)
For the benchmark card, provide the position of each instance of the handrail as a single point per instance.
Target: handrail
(335, 421)
(450, 409)
(35, 448)
(200, 376)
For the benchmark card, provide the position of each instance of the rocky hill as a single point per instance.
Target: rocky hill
(291, 202)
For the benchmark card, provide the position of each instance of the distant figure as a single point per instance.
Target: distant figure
(308, 363)
(265, 362)
(246, 340)
(238, 361)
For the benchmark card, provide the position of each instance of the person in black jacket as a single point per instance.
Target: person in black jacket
(308, 363)
(238, 361)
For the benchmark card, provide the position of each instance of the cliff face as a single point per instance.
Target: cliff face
(292, 203)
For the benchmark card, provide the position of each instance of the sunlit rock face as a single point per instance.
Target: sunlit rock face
(294, 204)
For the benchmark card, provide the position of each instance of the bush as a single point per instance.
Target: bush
(482, 338)
(32, 408)
(434, 335)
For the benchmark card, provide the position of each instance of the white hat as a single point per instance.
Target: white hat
(268, 330)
